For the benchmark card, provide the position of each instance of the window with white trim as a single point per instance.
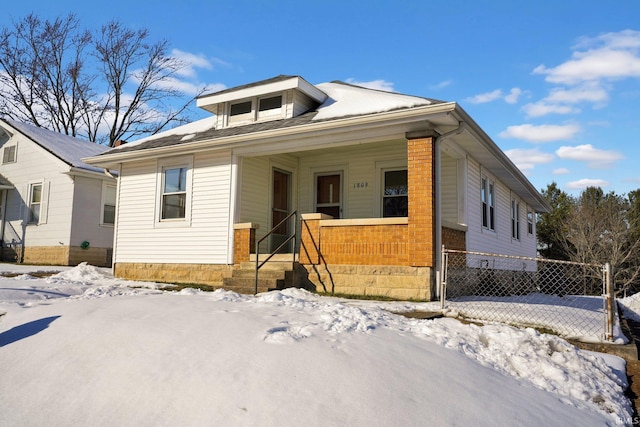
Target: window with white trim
(108, 204)
(9, 154)
(35, 203)
(530, 221)
(174, 190)
(515, 219)
(395, 193)
(488, 199)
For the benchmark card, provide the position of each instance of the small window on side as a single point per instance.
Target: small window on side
(9, 154)
(109, 205)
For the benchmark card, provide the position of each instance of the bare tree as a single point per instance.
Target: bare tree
(112, 85)
(598, 230)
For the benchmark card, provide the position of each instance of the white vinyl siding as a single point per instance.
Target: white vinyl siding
(206, 238)
(256, 193)
(88, 211)
(362, 179)
(449, 189)
(498, 241)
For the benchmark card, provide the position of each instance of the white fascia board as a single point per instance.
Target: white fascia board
(250, 92)
(89, 174)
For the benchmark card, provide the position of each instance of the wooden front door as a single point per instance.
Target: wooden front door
(329, 194)
(281, 207)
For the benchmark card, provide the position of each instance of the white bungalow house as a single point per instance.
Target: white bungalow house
(54, 208)
(376, 183)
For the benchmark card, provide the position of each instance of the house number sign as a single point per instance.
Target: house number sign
(360, 184)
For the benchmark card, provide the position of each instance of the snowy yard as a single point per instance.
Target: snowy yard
(83, 348)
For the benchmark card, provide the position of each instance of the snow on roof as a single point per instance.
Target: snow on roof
(187, 130)
(349, 100)
(344, 100)
(67, 148)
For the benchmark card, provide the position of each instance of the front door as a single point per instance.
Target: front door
(281, 207)
(329, 194)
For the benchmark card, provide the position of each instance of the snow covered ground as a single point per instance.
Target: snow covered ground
(82, 348)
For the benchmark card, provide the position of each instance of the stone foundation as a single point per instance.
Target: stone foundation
(389, 281)
(65, 255)
(202, 274)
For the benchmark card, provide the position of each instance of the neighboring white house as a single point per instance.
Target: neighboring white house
(54, 208)
(379, 179)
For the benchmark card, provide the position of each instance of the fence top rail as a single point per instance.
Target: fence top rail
(556, 261)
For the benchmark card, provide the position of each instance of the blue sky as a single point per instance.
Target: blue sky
(555, 83)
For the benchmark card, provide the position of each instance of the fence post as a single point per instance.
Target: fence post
(443, 276)
(609, 302)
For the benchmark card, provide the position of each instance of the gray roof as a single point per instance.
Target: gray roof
(171, 139)
(279, 78)
(67, 148)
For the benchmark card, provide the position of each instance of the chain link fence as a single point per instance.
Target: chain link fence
(573, 300)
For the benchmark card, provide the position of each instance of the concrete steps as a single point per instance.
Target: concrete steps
(277, 274)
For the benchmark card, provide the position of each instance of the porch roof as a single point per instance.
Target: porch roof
(5, 184)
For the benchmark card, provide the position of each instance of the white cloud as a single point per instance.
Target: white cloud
(191, 61)
(441, 85)
(595, 158)
(527, 160)
(510, 98)
(590, 92)
(609, 56)
(581, 184)
(561, 171)
(513, 96)
(373, 84)
(541, 108)
(485, 97)
(541, 133)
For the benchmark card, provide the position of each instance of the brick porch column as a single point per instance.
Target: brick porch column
(310, 238)
(244, 241)
(421, 180)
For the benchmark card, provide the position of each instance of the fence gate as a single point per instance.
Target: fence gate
(571, 299)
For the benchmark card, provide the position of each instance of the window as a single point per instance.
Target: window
(515, 220)
(487, 195)
(270, 107)
(271, 103)
(35, 203)
(529, 222)
(9, 154)
(395, 195)
(240, 108)
(108, 204)
(174, 193)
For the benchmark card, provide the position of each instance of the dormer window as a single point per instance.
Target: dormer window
(240, 108)
(271, 106)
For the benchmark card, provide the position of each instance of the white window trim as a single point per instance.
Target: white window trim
(104, 200)
(381, 168)
(15, 154)
(172, 163)
(44, 202)
(489, 181)
(515, 219)
(531, 221)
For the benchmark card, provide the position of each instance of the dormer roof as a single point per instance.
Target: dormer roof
(270, 86)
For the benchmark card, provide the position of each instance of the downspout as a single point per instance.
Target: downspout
(437, 223)
(114, 251)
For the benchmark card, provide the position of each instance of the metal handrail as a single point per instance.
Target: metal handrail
(279, 248)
